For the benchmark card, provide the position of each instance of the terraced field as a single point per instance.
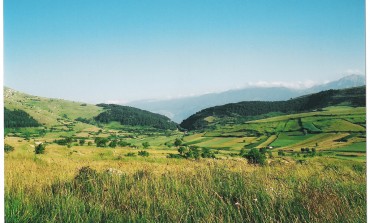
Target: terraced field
(339, 129)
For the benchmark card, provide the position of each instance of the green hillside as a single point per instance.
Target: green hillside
(252, 110)
(126, 115)
(18, 118)
(335, 130)
(64, 115)
(48, 111)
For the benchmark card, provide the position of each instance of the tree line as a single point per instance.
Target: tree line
(351, 96)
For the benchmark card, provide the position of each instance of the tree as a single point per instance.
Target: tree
(146, 145)
(101, 142)
(143, 153)
(255, 157)
(243, 152)
(82, 142)
(113, 144)
(40, 149)
(193, 153)
(182, 150)
(8, 148)
(207, 153)
(178, 142)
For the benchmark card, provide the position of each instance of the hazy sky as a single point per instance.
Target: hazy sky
(106, 50)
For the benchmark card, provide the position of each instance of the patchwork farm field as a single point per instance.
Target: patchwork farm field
(318, 129)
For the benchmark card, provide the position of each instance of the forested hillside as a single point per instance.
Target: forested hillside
(18, 118)
(251, 110)
(134, 117)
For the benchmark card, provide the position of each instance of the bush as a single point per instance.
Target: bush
(122, 143)
(193, 153)
(101, 142)
(130, 154)
(178, 142)
(145, 145)
(176, 156)
(82, 142)
(113, 144)
(243, 152)
(207, 153)
(281, 153)
(256, 157)
(40, 149)
(143, 153)
(8, 148)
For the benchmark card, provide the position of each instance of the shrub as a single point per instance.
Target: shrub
(178, 142)
(243, 152)
(122, 143)
(130, 154)
(40, 149)
(145, 145)
(143, 153)
(182, 150)
(8, 148)
(193, 153)
(82, 142)
(176, 156)
(113, 144)
(101, 142)
(207, 153)
(256, 157)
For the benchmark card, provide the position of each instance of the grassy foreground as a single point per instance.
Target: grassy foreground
(169, 190)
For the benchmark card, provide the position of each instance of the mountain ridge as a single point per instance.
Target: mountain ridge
(249, 110)
(181, 108)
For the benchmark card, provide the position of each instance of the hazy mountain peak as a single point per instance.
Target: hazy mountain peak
(181, 108)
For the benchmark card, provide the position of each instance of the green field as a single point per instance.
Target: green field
(78, 180)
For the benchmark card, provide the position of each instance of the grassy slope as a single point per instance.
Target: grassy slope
(43, 188)
(47, 111)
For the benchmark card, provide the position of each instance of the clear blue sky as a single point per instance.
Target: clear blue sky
(99, 51)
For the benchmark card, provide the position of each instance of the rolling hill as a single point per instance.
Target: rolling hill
(63, 115)
(181, 108)
(252, 110)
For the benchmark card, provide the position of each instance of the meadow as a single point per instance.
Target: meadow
(88, 187)
(107, 172)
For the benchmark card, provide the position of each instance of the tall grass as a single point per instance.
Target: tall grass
(318, 191)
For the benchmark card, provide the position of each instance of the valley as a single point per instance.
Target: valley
(100, 160)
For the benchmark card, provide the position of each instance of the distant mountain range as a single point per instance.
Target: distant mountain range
(181, 108)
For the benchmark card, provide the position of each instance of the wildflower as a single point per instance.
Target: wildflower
(255, 199)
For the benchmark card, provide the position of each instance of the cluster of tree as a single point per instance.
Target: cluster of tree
(8, 148)
(192, 152)
(143, 153)
(84, 120)
(256, 156)
(18, 118)
(305, 151)
(133, 117)
(40, 148)
(65, 141)
(253, 109)
(113, 143)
